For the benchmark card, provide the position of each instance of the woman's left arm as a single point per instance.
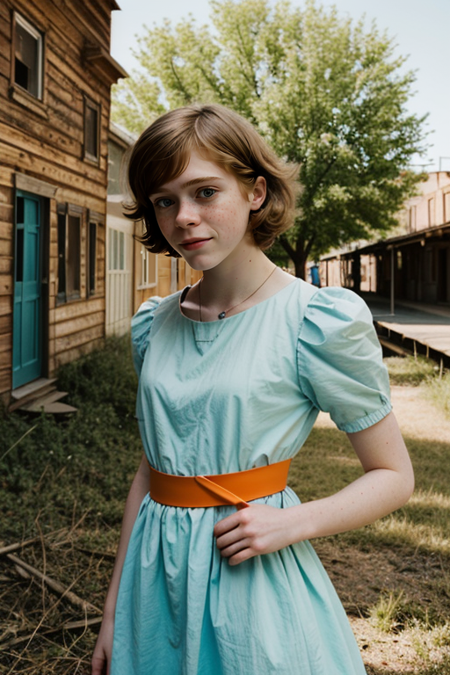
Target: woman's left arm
(386, 485)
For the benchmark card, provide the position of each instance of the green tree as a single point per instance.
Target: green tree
(327, 93)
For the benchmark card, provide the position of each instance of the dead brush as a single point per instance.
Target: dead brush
(46, 625)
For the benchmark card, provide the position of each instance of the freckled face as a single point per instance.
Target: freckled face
(204, 214)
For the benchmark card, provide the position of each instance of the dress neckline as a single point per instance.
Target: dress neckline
(183, 293)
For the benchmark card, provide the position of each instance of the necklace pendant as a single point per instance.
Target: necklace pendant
(222, 315)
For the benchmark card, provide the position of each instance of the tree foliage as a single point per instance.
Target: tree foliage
(327, 94)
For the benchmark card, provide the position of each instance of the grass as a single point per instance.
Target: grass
(385, 615)
(438, 392)
(79, 467)
(423, 372)
(66, 483)
(407, 370)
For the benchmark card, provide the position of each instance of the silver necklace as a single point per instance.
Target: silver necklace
(223, 314)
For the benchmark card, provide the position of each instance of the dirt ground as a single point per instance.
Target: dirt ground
(359, 582)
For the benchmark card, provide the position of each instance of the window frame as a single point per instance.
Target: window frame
(67, 210)
(33, 30)
(144, 283)
(92, 105)
(97, 219)
(91, 289)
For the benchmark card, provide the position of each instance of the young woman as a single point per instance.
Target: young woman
(214, 572)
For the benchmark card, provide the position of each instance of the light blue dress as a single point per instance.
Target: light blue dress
(227, 396)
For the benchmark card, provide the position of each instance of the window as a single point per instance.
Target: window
(91, 131)
(69, 252)
(92, 259)
(149, 264)
(28, 56)
(116, 253)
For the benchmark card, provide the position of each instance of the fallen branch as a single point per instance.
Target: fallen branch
(15, 547)
(55, 585)
(95, 554)
(17, 442)
(70, 625)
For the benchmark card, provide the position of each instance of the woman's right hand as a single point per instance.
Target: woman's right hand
(101, 658)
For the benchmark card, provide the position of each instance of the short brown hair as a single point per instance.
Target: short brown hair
(162, 153)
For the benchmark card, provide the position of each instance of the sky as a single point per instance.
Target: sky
(420, 30)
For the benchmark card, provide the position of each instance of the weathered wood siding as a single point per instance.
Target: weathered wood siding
(44, 140)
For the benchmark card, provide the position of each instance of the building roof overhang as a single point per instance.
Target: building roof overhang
(437, 232)
(99, 57)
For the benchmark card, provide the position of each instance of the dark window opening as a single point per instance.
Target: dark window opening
(19, 254)
(92, 257)
(69, 253)
(22, 74)
(28, 57)
(61, 255)
(73, 259)
(91, 130)
(20, 210)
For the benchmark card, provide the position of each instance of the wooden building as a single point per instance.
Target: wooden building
(411, 265)
(133, 274)
(55, 78)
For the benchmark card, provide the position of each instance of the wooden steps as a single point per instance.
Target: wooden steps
(41, 395)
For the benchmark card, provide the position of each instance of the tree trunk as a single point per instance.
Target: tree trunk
(298, 256)
(300, 268)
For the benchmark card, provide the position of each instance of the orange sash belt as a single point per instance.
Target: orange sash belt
(219, 490)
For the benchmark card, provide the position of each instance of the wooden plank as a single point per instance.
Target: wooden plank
(6, 211)
(81, 323)
(77, 339)
(56, 408)
(34, 388)
(72, 310)
(6, 264)
(92, 17)
(22, 141)
(5, 62)
(5, 35)
(6, 195)
(5, 324)
(5, 305)
(6, 248)
(6, 231)
(41, 168)
(6, 345)
(52, 128)
(6, 177)
(51, 131)
(91, 201)
(41, 12)
(6, 379)
(81, 76)
(6, 284)
(76, 352)
(5, 14)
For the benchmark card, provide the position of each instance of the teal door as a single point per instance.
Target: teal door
(27, 342)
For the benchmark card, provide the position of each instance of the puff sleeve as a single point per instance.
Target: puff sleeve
(340, 360)
(141, 324)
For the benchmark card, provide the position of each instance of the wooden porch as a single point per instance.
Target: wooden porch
(414, 327)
